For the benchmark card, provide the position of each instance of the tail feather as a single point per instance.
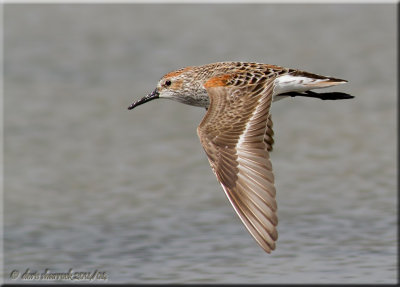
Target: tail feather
(299, 73)
(303, 81)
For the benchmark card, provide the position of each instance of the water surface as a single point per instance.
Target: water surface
(91, 186)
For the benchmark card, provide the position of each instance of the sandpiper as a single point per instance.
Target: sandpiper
(236, 131)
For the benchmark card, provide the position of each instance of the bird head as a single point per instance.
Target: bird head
(179, 86)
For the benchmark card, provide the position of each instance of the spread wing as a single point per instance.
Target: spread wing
(269, 135)
(236, 134)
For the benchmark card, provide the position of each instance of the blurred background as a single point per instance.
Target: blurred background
(89, 185)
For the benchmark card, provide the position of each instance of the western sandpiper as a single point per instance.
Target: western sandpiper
(236, 132)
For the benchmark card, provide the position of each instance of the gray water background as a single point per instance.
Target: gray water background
(90, 185)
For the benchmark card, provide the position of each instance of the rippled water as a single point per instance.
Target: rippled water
(92, 186)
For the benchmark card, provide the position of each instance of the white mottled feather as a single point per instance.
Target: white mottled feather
(290, 83)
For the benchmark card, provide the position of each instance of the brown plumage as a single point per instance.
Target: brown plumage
(237, 130)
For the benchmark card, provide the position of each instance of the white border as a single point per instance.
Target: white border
(2, 274)
(206, 1)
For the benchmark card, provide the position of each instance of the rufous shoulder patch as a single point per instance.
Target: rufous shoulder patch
(217, 81)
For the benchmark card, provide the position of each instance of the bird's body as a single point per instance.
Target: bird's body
(236, 132)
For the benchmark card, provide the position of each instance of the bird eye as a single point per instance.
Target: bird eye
(168, 83)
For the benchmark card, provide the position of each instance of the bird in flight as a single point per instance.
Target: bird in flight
(237, 131)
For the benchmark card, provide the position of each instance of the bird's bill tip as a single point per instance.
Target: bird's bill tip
(153, 95)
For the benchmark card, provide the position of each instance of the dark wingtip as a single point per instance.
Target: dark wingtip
(330, 96)
(322, 96)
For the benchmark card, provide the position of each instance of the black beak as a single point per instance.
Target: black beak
(148, 98)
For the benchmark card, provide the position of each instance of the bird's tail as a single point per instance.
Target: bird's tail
(299, 83)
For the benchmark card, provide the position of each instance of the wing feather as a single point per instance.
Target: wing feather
(269, 134)
(237, 136)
